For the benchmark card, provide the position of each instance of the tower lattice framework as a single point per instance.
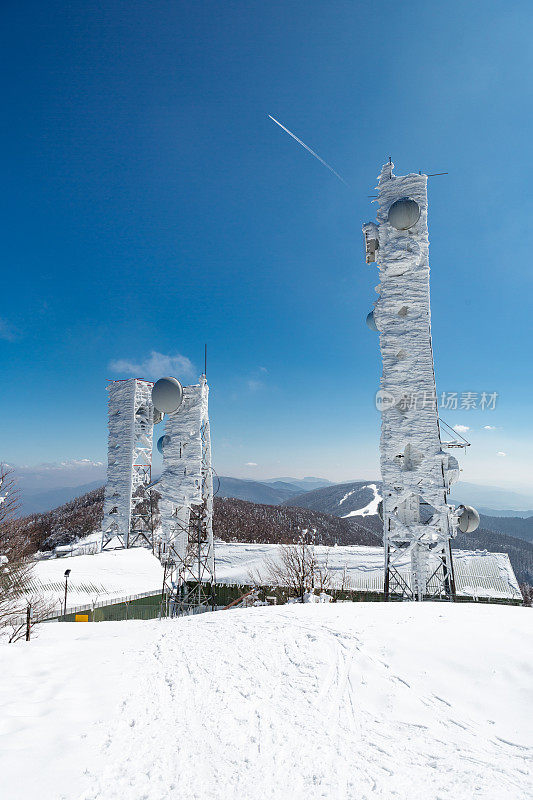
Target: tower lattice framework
(126, 519)
(417, 471)
(186, 506)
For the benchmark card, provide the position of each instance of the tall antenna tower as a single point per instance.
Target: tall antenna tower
(130, 430)
(186, 504)
(417, 471)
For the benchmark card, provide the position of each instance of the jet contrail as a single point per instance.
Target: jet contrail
(308, 149)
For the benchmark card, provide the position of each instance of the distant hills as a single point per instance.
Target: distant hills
(35, 502)
(303, 484)
(489, 499)
(315, 494)
(273, 491)
(270, 493)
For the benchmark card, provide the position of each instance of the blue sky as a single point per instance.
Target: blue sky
(150, 206)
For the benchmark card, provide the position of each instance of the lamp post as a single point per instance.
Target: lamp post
(67, 573)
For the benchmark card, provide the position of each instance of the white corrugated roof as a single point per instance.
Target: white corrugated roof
(477, 573)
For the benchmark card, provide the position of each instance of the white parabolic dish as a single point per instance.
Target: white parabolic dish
(167, 395)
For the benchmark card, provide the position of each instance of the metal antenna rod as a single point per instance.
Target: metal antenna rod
(205, 360)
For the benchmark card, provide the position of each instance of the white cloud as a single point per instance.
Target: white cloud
(157, 365)
(80, 462)
(255, 382)
(59, 474)
(489, 427)
(251, 464)
(461, 428)
(71, 463)
(501, 453)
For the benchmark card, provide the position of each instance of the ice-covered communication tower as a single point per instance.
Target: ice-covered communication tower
(130, 430)
(417, 472)
(186, 504)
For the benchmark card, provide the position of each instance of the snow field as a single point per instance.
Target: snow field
(108, 575)
(427, 702)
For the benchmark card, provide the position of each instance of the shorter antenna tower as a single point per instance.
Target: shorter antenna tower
(126, 503)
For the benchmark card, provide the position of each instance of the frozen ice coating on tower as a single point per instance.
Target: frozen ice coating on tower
(184, 541)
(417, 472)
(130, 430)
(186, 479)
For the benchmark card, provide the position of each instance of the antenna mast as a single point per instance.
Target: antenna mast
(418, 522)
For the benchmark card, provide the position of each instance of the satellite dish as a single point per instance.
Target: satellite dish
(469, 519)
(167, 395)
(162, 442)
(404, 213)
(371, 322)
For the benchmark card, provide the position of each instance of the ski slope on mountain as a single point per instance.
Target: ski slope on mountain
(427, 702)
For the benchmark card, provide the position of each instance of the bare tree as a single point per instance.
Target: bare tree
(20, 607)
(296, 568)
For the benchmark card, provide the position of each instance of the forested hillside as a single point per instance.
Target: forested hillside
(239, 521)
(234, 520)
(66, 523)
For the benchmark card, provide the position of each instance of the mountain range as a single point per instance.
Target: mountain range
(349, 499)
(319, 495)
(36, 497)
(35, 500)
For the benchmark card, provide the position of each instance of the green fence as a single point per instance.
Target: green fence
(225, 594)
(141, 608)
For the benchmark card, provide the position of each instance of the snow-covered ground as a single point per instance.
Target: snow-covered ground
(106, 576)
(406, 701)
(117, 574)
